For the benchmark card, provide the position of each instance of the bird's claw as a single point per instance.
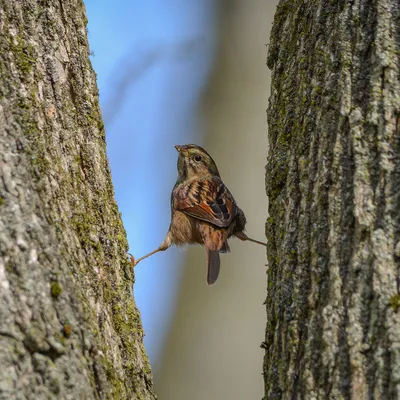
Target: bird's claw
(133, 262)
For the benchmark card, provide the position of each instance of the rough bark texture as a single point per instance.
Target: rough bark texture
(333, 180)
(69, 328)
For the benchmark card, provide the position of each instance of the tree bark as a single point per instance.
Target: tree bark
(69, 328)
(333, 180)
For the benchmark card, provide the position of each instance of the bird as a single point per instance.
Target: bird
(203, 210)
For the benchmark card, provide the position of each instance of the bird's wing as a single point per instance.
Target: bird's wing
(206, 199)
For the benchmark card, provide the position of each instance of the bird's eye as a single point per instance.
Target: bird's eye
(198, 158)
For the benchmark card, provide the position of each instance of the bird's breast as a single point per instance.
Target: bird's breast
(184, 229)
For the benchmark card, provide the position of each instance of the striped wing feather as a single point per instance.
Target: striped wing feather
(206, 199)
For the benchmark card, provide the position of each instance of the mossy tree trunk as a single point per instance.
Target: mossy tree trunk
(333, 180)
(69, 328)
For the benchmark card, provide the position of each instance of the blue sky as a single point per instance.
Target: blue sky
(152, 61)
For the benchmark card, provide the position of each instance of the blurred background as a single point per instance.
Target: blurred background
(177, 72)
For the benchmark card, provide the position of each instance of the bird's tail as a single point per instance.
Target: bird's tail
(213, 263)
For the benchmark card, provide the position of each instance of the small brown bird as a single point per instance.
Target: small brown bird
(203, 210)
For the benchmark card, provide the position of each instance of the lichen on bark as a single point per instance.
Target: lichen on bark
(69, 327)
(333, 173)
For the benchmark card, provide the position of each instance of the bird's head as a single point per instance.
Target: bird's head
(194, 161)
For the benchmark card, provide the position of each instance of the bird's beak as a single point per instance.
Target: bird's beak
(180, 149)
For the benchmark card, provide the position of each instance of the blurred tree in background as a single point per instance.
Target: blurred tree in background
(69, 328)
(333, 177)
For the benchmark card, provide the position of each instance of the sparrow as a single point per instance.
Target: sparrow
(203, 210)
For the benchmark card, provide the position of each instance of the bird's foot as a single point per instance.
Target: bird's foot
(133, 261)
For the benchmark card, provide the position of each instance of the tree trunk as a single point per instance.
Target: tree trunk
(333, 180)
(69, 328)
